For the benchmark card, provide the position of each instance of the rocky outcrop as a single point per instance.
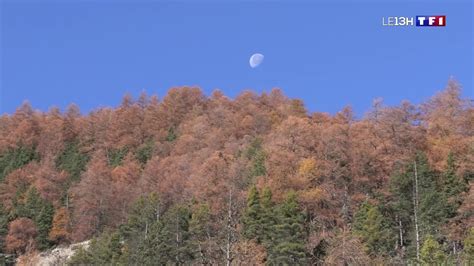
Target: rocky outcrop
(54, 257)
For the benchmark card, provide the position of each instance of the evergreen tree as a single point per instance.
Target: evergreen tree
(28, 204)
(288, 246)
(153, 238)
(116, 156)
(72, 160)
(251, 219)
(3, 226)
(402, 204)
(145, 211)
(373, 228)
(258, 168)
(453, 186)
(199, 231)
(145, 151)
(176, 232)
(44, 222)
(267, 217)
(15, 158)
(360, 217)
(154, 249)
(417, 189)
(38, 210)
(469, 247)
(171, 135)
(431, 252)
(432, 203)
(107, 249)
(145, 214)
(256, 155)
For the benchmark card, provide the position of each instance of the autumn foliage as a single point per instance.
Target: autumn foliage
(197, 150)
(60, 231)
(21, 236)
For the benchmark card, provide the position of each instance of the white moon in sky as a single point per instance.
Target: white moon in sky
(256, 60)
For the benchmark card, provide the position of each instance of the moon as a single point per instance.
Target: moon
(256, 60)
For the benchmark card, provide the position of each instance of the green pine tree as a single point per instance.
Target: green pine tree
(360, 217)
(171, 135)
(289, 237)
(15, 158)
(107, 249)
(374, 230)
(72, 160)
(431, 252)
(257, 156)
(176, 232)
(453, 186)
(146, 210)
(116, 156)
(155, 249)
(145, 151)
(3, 226)
(258, 168)
(144, 214)
(267, 217)
(38, 210)
(31, 206)
(156, 238)
(469, 247)
(402, 204)
(251, 219)
(432, 204)
(200, 232)
(43, 222)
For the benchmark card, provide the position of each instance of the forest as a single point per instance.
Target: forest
(190, 179)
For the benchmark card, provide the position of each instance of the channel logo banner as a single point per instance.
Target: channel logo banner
(430, 21)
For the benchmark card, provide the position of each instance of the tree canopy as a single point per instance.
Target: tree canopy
(193, 179)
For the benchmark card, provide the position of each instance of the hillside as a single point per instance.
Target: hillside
(191, 179)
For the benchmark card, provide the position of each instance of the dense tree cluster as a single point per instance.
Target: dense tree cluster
(191, 179)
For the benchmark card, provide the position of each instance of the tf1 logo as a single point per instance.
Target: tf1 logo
(421, 21)
(430, 21)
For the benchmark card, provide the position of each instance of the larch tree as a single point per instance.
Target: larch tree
(205, 154)
(61, 228)
(51, 137)
(21, 236)
(346, 249)
(91, 200)
(25, 128)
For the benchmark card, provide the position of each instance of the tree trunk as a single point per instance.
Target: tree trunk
(344, 245)
(400, 232)
(229, 231)
(146, 229)
(157, 212)
(415, 213)
(177, 240)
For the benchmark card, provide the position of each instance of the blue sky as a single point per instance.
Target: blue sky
(327, 53)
